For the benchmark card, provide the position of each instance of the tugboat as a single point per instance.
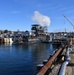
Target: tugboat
(36, 35)
(41, 33)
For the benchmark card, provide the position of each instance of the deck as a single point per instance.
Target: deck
(70, 67)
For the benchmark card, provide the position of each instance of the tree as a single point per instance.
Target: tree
(6, 31)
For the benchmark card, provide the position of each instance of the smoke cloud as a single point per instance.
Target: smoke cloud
(41, 19)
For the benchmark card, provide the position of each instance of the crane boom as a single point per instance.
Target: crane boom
(68, 21)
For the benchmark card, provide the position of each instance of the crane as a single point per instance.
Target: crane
(70, 38)
(68, 20)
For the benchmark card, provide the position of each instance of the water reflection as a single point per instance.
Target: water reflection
(41, 52)
(22, 59)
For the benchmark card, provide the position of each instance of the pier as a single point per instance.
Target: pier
(70, 66)
(61, 62)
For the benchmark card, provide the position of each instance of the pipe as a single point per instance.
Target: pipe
(49, 63)
(63, 68)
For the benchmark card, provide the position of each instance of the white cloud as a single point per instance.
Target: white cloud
(41, 19)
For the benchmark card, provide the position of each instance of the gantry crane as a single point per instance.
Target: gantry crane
(68, 20)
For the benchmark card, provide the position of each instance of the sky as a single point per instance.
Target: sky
(21, 14)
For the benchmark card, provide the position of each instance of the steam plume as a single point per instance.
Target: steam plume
(41, 19)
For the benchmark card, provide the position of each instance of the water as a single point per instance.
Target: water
(23, 60)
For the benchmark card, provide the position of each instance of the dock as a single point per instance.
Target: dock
(61, 63)
(70, 66)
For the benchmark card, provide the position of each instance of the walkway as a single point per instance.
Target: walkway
(70, 67)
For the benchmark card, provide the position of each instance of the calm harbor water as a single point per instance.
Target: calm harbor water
(21, 59)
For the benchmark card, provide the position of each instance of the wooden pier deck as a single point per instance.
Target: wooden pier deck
(57, 66)
(70, 67)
